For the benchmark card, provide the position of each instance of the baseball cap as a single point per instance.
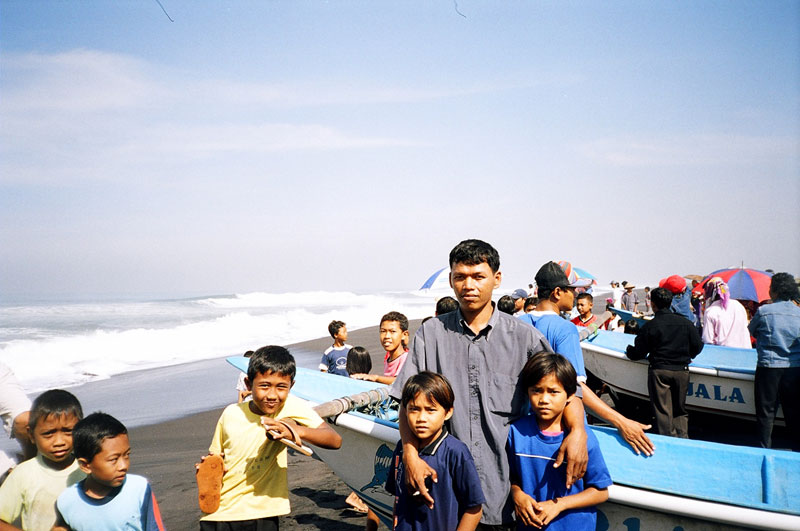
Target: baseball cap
(519, 294)
(551, 276)
(673, 283)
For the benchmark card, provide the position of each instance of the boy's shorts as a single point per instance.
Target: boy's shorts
(262, 524)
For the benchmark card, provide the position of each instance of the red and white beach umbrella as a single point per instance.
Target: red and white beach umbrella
(744, 283)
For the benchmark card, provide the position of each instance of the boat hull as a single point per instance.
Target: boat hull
(686, 484)
(710, 390)
(363, 464)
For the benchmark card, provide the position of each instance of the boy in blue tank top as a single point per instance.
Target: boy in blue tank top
(539, 491)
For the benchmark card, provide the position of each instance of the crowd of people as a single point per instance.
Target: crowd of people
(492, 400)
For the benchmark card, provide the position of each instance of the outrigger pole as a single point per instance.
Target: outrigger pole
(344, 404)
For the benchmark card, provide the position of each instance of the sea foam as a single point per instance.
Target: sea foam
(67, 344)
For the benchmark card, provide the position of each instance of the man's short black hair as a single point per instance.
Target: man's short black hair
(54, 402)
(334, 327)
(89, 433)
(506, 304)
(433, 385)
(271, 358)
(396, 316)
(585, 295)
(544, 363)
(475, 252)
(446, 305)
(783, 287)
(661, 298)
(358, 361)
(544, 293)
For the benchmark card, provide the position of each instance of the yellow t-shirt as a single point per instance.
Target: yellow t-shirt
(28, 495)
(255, 484)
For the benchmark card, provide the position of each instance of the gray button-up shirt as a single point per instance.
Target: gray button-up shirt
(484, 372)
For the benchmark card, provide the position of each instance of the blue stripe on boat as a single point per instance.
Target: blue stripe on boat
(738, 360)
(737, 475)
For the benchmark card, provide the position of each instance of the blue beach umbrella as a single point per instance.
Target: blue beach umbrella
(582, 273)
(438, 280)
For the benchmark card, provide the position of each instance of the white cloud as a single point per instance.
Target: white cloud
(89, 115)
(248, 138)
(691, 150)
(77, 81)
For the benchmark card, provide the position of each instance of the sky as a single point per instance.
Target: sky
(303, 145)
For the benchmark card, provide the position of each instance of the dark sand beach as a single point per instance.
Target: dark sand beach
(166, 452)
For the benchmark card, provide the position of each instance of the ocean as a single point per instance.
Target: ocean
(67, 343)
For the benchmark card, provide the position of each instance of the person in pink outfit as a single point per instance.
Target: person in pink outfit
(724, 319)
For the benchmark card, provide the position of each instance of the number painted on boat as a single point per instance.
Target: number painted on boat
(701, 391)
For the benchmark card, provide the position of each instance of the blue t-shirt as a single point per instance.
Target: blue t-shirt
(562, 335)
(682, 305)
(531, 455)
(334, 360)
(130, 506)
(458, 487)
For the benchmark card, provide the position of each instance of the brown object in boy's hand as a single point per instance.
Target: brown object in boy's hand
(209, 483)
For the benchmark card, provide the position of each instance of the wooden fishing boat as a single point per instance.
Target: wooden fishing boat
(689, 485)
(721, 379)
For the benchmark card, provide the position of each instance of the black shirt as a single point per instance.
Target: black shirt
(669, 341)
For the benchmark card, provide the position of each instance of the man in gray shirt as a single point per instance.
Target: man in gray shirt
(481, 352)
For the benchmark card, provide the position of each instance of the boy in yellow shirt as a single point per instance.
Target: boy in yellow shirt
(255, 488)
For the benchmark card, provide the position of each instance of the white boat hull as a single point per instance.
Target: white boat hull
(710, 390)
(365, 457)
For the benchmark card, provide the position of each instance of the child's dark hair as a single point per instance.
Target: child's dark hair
(544, 363)
(54, 402)
(585, 295)
(358, 361)
(433, 385)
(396, 316)
(506, 304)
(271, 358)
(334, 327)
(446, 305)
(475, 252)
(531, 301)
(631, 326)
(89, 433)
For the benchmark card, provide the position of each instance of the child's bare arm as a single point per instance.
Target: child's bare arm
(323, 436)
(471, 518)
(589, 497)
(7, 527)
(525, 506)
(386, 380)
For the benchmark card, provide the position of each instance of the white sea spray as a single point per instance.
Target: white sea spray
(63, 344)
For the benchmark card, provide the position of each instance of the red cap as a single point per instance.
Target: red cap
(674, 283)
